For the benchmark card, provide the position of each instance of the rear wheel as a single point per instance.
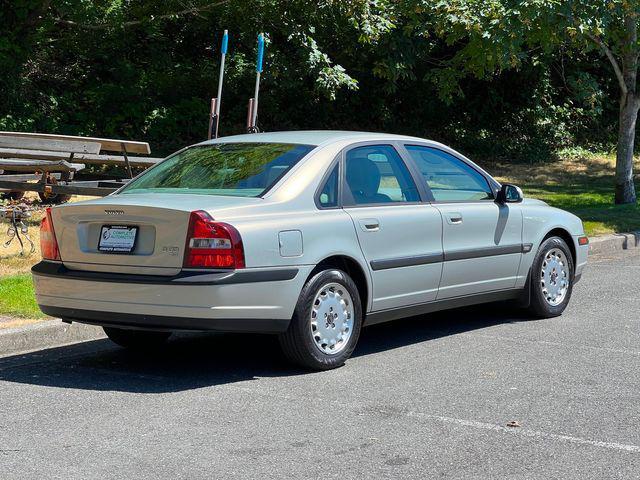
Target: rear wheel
(326, 323)
(136, 339)
(12, 195)
(55, 198)
(551, 279)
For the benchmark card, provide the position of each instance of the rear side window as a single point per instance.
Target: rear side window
(235, 169)
(449, 178)
(329, 193)
(376, 175)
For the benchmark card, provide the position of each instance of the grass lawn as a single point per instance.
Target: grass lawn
(16, 297)
(582, 185)
(16, 289)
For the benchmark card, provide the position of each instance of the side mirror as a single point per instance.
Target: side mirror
(510, 194)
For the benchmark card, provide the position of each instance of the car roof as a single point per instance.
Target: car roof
(322, 138)
(308, 137)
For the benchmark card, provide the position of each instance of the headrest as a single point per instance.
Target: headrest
(363, 177)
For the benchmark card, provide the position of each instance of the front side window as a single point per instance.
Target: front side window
(376, 175)
(234, 169)
(449, 178)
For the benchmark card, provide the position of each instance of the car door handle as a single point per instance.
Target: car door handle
(370, 224)
(454, 218)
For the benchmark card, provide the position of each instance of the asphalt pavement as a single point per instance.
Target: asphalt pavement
(428, 397)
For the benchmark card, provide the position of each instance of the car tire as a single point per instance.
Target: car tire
(136, 339)
(12, 195)
(54, 199)
(326, 322)
(551, 278)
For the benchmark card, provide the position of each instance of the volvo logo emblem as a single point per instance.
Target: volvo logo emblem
(114, 212)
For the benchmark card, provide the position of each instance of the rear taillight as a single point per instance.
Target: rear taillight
(212, 244)
(48, 242)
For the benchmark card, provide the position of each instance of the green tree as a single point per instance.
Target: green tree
(444, 70)
(144, 69)
(494, 35)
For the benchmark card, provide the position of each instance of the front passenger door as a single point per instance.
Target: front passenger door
(482, 239)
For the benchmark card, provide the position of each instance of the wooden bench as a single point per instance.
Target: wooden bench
(96, 189)
(43, 146)
(89, 159)
(16, 165)
(57, 159)
(106, 144)
(67, 146)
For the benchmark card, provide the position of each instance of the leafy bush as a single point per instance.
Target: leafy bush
(137, 70)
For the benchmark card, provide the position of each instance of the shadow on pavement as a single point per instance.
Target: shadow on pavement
(192, 361)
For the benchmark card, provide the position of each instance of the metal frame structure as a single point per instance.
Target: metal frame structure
(57, 164)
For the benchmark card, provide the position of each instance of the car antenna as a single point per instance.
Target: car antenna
(252, 113)
(214, 115)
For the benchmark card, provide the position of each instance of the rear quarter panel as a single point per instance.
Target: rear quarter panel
(290, 206)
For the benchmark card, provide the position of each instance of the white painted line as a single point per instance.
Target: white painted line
(527, 433)
(467, 423)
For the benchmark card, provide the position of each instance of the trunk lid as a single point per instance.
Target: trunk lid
(162, 222)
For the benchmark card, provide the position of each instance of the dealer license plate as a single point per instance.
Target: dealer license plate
(117, 238)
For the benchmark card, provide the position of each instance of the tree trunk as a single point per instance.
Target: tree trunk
(625, 188)
(629, 104)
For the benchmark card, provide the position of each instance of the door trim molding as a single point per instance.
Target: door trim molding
(483, 252)
(399, 262)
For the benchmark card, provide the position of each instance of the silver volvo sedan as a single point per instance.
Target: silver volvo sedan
(309, 235)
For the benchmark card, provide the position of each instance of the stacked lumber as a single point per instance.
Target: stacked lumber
(55, 160)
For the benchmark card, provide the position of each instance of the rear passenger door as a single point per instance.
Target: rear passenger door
(399, 235)
(482, 239)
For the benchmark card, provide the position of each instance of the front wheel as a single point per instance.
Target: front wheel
(326, 323)
(551, 278)
(136, 339)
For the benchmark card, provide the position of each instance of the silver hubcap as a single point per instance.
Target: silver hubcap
(332, 318)
(554, 277)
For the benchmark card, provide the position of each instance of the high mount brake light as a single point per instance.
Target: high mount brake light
(212, 244)
(48, 242)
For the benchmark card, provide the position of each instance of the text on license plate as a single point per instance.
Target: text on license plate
(117, 238)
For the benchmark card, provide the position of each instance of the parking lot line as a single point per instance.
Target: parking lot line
(526, 432)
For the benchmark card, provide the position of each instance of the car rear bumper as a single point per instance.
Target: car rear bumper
(160, 322)
(251, 300)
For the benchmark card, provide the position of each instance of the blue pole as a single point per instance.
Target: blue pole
(223, 51)
(260, 53)
(258, 72)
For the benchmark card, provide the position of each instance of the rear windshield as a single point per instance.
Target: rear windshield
(234, 169)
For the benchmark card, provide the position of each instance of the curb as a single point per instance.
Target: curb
(616, 242)
(47, 334)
